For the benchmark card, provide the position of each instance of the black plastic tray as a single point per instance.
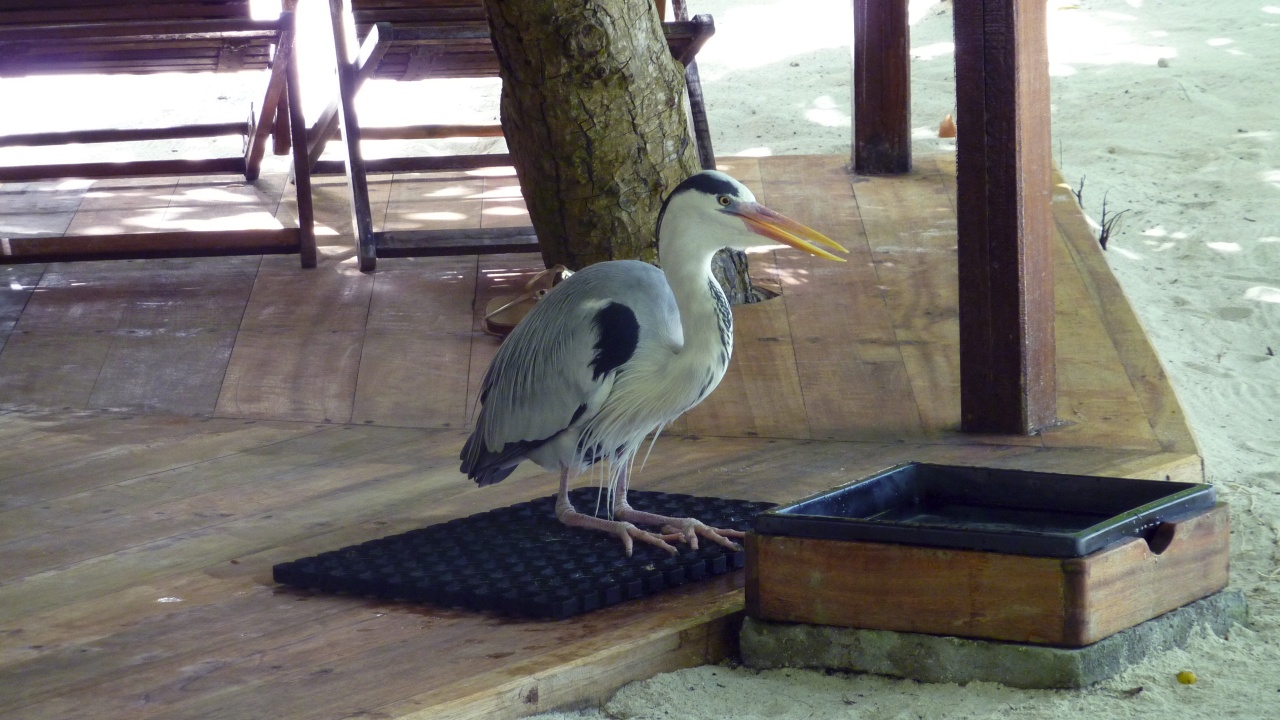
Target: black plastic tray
(995, 510)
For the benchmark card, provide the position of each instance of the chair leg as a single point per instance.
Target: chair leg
(366, 61)
(697, 106)
(357, 176)
(698, 109)
(281, 137)
(301, 171)
(271, 103)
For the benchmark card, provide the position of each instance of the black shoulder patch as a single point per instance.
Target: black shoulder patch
(617, 334)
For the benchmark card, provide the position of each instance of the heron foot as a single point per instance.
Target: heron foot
(691, 529)
(627, 532)
(686, 529)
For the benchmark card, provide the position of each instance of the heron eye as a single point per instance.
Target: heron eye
(724, 200)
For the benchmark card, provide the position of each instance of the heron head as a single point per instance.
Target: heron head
(717, 209)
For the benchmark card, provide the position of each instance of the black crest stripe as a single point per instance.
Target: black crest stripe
(702, 182)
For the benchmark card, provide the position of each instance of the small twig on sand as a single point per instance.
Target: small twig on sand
(1079, 192)
(1108, 225)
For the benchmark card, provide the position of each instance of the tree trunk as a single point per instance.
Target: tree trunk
(593, 113)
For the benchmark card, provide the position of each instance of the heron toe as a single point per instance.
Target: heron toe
(690, 529)
(627, 532)
(686, 529)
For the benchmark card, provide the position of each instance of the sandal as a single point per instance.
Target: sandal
(503, 313)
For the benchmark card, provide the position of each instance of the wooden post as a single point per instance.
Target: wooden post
(881, 87)
(1007, 369)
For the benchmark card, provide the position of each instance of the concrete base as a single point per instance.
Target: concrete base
(934, 658)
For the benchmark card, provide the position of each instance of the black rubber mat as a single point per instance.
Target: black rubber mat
(521, 561)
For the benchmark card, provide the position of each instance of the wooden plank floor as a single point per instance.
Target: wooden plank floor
(173, 428)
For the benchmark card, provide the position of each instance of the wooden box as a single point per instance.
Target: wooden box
(1063, 601)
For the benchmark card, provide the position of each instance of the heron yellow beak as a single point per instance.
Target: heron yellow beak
(776, 226)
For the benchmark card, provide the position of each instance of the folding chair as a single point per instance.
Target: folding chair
(420, 39)
(50, 37)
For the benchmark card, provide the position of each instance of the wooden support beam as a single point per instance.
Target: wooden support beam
(881, 87)
(71, 137)
(1007, 368)
(132, 168)
(139, 31)
(429, 132)
(471, 241)
(424, 163)
(134, 246)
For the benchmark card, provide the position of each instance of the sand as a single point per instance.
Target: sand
(1170, 109)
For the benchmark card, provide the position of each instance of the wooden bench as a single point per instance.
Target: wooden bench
(422, 39)
(54, 37)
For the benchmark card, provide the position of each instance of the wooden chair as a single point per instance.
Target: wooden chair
(420, 39)
(44, 37)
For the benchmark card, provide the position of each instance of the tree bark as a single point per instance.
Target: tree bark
(593, 113)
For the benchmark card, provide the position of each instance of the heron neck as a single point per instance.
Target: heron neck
(704, 315)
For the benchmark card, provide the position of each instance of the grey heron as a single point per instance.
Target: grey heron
(619, 350)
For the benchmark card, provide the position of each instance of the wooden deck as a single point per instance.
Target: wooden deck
(173, 428)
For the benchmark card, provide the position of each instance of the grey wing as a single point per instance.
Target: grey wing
(557, 367)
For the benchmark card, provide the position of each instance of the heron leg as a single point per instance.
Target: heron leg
(687, 529)
(627, 532)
